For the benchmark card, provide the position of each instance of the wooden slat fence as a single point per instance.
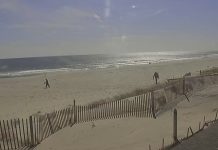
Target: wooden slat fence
(18, 133)
(139, 106)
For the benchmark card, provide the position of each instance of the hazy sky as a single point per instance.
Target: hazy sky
(67, 27)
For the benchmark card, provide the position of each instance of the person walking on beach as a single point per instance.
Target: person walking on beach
(156, 76)
(47, 85)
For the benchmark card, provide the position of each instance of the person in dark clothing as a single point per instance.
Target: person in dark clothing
(47, 85)
(156, 76)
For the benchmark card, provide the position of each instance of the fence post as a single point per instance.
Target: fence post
(187, 133)
(163, 144)
(9, 135)
(183, 85)
(152, 104)
(191, 130)
(50, 125)
(73, 114)
(13, 134)
(149, 147)
(175, 126)
(184, 89)
(5, 132)
(1, 129)
(24, 136)
(75, 111)
(31, 132)
(216, 116)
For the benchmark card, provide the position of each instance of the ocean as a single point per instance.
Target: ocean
(36, 65)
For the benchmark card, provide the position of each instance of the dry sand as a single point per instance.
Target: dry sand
(23, 96)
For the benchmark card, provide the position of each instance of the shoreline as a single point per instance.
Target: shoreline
(26, 73)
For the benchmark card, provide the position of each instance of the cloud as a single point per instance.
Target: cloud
(160, 11)
(70, 15)
(107, 10)
(23, 16)
(62, 18)
(15, 8)
(41, 25)
(155, 13)
(133, 6)
(9, 5)
(123, 38)
(97, 17)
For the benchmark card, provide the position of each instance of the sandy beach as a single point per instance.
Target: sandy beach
(24, 96)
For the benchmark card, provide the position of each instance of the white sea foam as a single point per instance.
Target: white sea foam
(34, 72)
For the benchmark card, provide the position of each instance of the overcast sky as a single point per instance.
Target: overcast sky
(68, 27)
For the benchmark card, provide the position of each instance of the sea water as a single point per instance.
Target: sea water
(35, 65)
